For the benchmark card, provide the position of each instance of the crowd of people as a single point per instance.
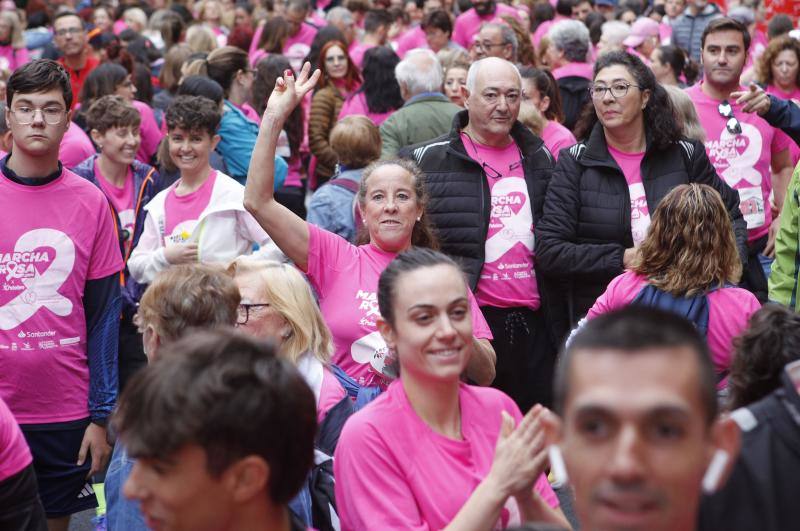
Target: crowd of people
(381, 264)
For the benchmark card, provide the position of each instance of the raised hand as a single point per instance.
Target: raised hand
(289, 92)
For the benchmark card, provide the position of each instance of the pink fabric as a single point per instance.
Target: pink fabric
(75, 147)
(257, 56)
(631, 166)
(254, 43)
(794, 149)
(119, 26)
(507, 278)
(294, 177)
(12, 58)
(665, 33)
(357, 104)
(183, 212)
(330, 394)
(468, 24)
(151, 133)
(62, 235)
(544, 27)
(557, 137)
(121, 199)
(345, 277)
(249, 112)
(729, 310)
(357, 51)
(14, 452)
(394, 472)
(743, 161)
(297, 47)
(413, 38)
(584, 70)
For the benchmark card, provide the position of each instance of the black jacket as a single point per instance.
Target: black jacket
(761, 492)
(574, 92)
(587, 218)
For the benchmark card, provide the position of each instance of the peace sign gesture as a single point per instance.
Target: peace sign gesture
(289, 92)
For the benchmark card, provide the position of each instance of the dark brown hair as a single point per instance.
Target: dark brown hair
(112, 111)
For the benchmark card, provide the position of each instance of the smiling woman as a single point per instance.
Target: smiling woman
(392, 203)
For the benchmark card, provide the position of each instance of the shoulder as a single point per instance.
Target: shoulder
(487, 399)
(426, 151)
(80, 185)
(86, 168)
(740, 298)
(374, 423)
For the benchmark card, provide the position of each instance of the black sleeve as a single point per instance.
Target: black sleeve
(786, 116)
(102, 305)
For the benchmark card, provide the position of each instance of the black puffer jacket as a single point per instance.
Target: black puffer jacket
(586, 226)
(460, 199)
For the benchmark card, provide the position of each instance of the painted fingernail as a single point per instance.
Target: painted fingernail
(287, 73)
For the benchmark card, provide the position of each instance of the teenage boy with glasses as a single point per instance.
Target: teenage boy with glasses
(748, 154)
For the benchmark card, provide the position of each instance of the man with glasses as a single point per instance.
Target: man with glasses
(59, 296)
(485, 197)
(496, 40)
(749, 155)
(70, 37)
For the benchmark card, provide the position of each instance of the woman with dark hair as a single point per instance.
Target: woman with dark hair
(340, 78)
(539, 88)
(391, 199)
(292, 193)
(489, 475)
(673, 66)
(113, 79)
(325, 35)
(271, 40)
(689, 253)
(379, 96)
(603, 189)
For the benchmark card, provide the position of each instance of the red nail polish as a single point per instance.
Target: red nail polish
(288, 73)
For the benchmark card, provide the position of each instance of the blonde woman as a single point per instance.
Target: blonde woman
(277, 304)
(13, 53)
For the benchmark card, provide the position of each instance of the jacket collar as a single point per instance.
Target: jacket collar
(526, 141)
(597, 154)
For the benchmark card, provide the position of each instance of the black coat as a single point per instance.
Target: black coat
(586, 226)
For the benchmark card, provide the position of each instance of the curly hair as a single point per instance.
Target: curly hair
(423, 234)
(660, 125)
(193, 113)
(775, 47)
(771, 340)
(380, 86)
(112, 111)
(690, 245)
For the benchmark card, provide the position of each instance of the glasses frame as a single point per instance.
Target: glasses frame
(725, 109)
(481, 46)
(610, 89)
(247, 307)
(69, 31)
(33, 116)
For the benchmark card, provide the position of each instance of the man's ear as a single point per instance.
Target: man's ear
(722, 453)
(464, 95)
(387, 332)
(247, 478)
(552, 426)
(6, 141)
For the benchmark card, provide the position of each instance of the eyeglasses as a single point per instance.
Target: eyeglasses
(486, 45)
(26, 115)
(243, 312)
(618, 90)
(336, 59)
(68, 31)
(726, 111)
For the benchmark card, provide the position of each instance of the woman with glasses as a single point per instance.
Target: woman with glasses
(277, 304)
(598, 204)
(340, 78)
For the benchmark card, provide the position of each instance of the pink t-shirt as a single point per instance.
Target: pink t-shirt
(557, 137)
(584, 70)
(357, 51)
(55, 237)
(413, 38)
(345, 278)
(468, 23)
(544, 27)
(75, 147)
(507, 278)
(742, 161)
(631, 166)
(183, 212)
(14, 452)
(249, 112)
(121, 199)
(794, 149)
(296, 47)
(331, 393)
(357, 104)
(729, 311)
(394, 472)
(151, 133)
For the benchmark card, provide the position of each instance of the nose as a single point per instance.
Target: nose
(38, 117)
(723, 58)
(445, 330)
(626, 464)
(390, 205)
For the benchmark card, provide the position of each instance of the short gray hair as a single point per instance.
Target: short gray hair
(420, 72)
(572, 38)
(475, 68)
(507, 34)
(615, 31)
(339, 13)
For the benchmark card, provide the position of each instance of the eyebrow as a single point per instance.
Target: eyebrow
(655, 412)
(45, 104)
(459, 300)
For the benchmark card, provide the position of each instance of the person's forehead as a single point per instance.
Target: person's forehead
(612, 73)
(50, 97)
(71, 21)
(489, 31)
(725, 38)
(635, 383)
(498, 77)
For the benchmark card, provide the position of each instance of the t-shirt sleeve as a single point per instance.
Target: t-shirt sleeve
(371, 492)
(780, 141)
(14, 452)
(106, 256)
(619, 293)
(328, 255)
(480, 328)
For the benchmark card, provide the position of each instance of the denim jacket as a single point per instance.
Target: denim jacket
(331, 207)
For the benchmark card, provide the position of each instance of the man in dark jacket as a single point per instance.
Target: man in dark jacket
(487, 179)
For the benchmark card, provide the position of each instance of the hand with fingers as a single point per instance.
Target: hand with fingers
(95, 444)
(755, 99)
(289, 92)
(181, 253)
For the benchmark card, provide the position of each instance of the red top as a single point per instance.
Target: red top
(77, 77)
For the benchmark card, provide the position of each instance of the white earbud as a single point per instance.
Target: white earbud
(557, 466)
(714, 471)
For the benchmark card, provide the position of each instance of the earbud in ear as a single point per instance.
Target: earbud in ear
(557, 466)
(714, 471)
